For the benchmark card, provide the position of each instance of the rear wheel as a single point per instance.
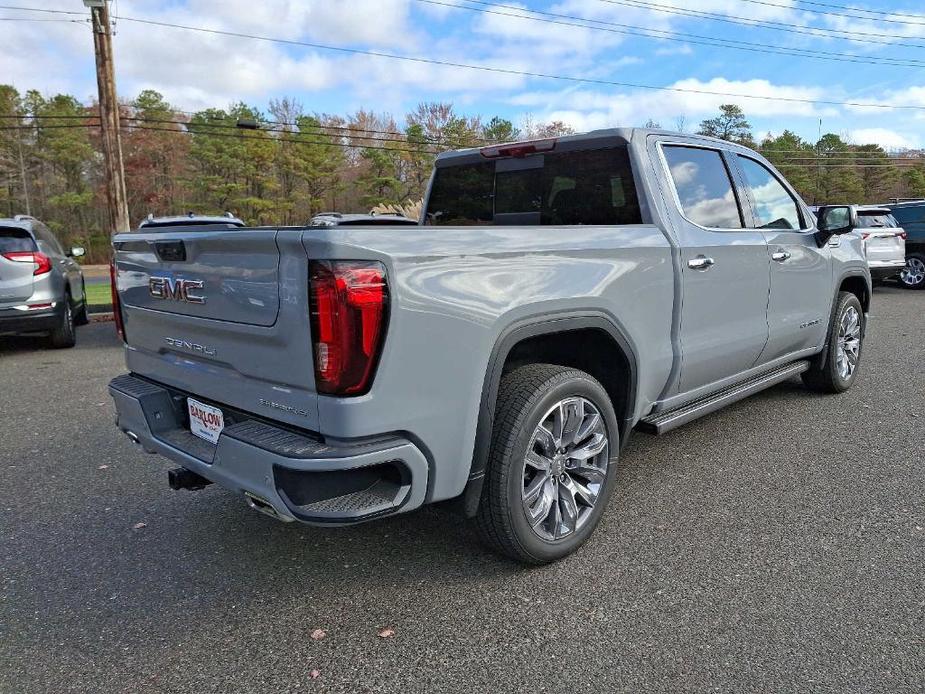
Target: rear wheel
(64, 334)
(840, 362)
(552, 463)
(913, 275)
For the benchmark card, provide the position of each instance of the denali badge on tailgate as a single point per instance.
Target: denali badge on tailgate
(178, 290)
(191, 346)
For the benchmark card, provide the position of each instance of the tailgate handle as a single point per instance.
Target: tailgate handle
(171, 251)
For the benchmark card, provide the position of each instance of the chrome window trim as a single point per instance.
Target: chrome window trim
(774, 174)
(661, 144)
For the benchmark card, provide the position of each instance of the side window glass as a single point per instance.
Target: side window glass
(909, 215)
(47, 242)
(775, 208)
(704, 187)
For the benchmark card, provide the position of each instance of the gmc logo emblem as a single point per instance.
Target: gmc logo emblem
(178, 290)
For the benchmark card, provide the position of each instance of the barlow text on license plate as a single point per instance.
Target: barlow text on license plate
(205, 421)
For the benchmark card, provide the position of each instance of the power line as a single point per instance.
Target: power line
(858, 9)
(345, 145)
(42, 9)
(521, 73)
(352, 131)
(842, 14)
(270, 139)
(739, 20)
(833, 159)
(46, 127)
(682, 37)
(38, 19)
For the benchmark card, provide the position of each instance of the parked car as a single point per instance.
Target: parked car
(41, 286)
(911, 216)
(227, 219)
(569, 291)
(884, 242)
(336, 219)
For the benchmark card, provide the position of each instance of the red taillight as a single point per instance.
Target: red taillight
(518, 149)
(902, 235)
(116, 304)
(41, 261)
(865, 235)
(349, 302)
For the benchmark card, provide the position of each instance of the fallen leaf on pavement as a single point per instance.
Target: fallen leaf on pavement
(139, 526)
(103, 467)
(314, 674)
(318, 634)
(386, 633)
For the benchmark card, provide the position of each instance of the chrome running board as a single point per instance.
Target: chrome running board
(671, 419)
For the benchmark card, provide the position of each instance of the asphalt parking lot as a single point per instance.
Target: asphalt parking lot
(778, 545)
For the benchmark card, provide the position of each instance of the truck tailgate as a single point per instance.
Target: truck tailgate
(222, 315)
(238, 271)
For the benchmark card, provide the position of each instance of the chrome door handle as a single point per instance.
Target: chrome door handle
(780, 256)
(701, 262)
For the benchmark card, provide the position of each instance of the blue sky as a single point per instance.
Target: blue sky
(196, 69)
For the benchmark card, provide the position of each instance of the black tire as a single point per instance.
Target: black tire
(825, 377)
(81, 317)
(904, 278)
(525, 396)
(64, 335)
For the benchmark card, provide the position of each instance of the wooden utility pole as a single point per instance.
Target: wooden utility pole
(109, 116)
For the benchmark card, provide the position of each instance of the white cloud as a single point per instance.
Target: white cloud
(43, 55)
(586, 109)
(683, 49)
(195, 70)
(885, 137)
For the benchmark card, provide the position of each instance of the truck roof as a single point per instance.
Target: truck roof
(190, 218)
(567, 142)
(333, 219)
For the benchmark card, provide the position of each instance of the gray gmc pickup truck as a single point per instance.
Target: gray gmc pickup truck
(559, 295)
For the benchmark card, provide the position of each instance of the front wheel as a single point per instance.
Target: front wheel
(839, 366)
(913, 275)
(552, 463)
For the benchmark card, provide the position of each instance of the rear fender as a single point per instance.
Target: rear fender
(517, 333)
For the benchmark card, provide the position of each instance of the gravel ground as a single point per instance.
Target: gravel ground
(775, 546)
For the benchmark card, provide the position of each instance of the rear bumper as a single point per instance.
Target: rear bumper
(884, 269)
(15, 321)
(288, 475)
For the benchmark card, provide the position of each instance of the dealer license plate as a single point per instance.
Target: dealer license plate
(205, 421)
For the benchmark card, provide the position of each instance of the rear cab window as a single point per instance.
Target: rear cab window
(13, 240)
(580, 187)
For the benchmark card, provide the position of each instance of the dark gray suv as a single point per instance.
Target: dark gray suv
(41, 286)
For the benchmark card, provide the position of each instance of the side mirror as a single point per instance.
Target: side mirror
(834, 220)
(77, 252)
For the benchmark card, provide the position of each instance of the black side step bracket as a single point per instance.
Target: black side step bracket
(664, 422)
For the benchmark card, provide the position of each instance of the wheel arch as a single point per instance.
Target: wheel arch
(540, 339)
(860, 286)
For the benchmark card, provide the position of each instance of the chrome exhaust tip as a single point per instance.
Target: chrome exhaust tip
(264, 506)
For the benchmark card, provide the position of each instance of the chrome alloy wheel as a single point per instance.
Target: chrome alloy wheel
(848, 347)
(565, 468)
(914, 272)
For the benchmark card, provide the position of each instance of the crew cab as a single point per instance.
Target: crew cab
(560, 295)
